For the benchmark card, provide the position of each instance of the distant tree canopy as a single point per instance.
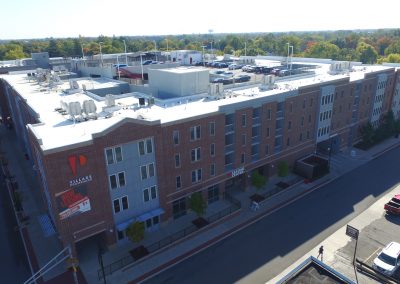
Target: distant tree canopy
(365, 46)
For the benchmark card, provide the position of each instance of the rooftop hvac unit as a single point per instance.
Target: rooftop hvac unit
(150, 101)
(141, 102)
(74, 108)
(89, 106)
(63, 105)
(110, 100)
(216, 89)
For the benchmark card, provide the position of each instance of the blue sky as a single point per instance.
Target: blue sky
(70, 18)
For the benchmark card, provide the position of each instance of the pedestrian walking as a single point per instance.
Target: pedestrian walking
(321, 253)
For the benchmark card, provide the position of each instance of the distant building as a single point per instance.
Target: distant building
(186, 57)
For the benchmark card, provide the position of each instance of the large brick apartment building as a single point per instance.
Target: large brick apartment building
(105, 162)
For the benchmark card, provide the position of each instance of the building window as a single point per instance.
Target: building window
(212, 128)
(302, 121)
(117, 180)
(117, 206)
(196, 175)
(145, 147)
(179, 208)
(289, 125)
(309, 118)
(267, 131)
(118, 154)
(125, 204)
(243, 139)
(242, 158)
(113, 155)
(266, 150)
(212, 149)
(149, 193)
(121, 179)
(311, 102)
(212, 170)
(291, 107)
(195, 133)
(269, 114)
(195, 154)
(175, 135)
(301, 137)
(213, 194)
(243, 120)
(288, 141)
(147, 171)
(177, 160)
(304, 103)
(178, 182)
(113, 181)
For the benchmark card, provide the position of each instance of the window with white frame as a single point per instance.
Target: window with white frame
(114, 155)
(117, 180)
(117, 206)
(177, 160)
(195, 133)
(212, 149)
(147, 171)
(195, 154)
(145, 146)
(178, 182)
(196, 175)
(175, 136)
(120, 201)
(212, 170)
(212, 128)
(150, 193)
(124, 201)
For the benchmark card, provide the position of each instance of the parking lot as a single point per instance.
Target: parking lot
(380, 229)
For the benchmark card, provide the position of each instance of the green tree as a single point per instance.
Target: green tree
(197, 203)
(367, 53)
(13, 51)
(283, 169)
(258, 179)
(392, 58)
(393, 48)
(135, 232)
(367, 133)
(322, 50)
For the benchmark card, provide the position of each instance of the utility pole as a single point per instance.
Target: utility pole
(126, 56)
(203, 46)
(288, 54)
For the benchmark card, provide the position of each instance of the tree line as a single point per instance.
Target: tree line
(367, 46)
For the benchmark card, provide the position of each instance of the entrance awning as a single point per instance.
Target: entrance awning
(122, 226)
(150, 214)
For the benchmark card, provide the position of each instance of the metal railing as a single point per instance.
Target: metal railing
(119, 264)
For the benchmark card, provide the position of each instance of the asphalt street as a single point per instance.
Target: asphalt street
(264, 249)
(14, 267)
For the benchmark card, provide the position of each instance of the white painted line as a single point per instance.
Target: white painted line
(368, 258)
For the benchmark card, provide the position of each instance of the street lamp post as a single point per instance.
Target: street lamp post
(204, 64)
(83, 54)
(141, 65)
(119, 75)
(101, 54)
(288, 54)
(126, 56)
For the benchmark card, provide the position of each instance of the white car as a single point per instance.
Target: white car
(388, 260)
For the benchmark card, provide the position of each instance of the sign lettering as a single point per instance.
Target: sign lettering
(237, 172)
(80, 180)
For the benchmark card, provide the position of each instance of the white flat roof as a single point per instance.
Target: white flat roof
(58, 130)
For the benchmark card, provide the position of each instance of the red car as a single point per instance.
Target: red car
(393, 206)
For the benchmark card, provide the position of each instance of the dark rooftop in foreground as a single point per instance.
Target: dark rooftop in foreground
(313, 271)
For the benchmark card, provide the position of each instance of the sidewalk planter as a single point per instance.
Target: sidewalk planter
(200, 222)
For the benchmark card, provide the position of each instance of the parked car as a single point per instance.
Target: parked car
(228, 74)
(235, 66)
(393, 206)
(388, 260)
(147, 62)
(227, 81)
(242, 78)
(218, 80)
(283, 73)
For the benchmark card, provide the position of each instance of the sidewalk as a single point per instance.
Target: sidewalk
(142, 269)
(42, 243)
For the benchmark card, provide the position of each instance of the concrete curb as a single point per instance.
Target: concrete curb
(224, 235)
